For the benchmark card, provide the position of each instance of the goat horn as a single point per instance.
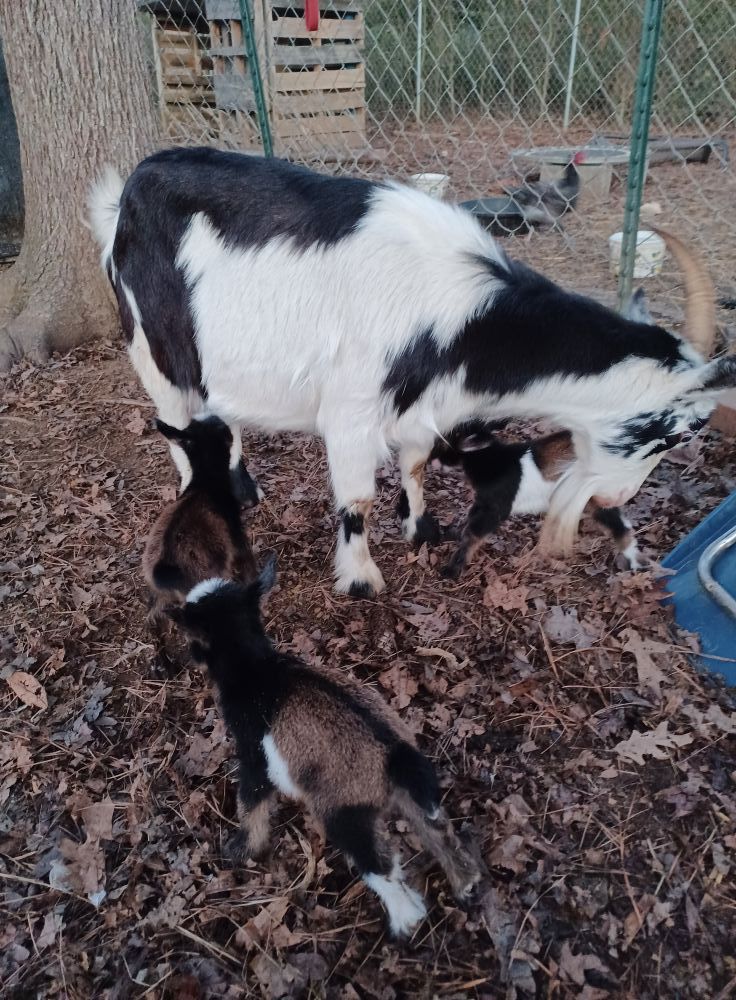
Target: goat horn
(700, 295)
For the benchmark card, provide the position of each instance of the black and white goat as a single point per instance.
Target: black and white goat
(200, 535)
(516, 478)
(321, 739)
(379, 318)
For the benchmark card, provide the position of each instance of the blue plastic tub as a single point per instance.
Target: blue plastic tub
(703, 584)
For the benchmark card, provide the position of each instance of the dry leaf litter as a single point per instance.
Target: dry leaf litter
(594, 767)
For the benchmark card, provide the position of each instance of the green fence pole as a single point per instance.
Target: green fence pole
(643, 97)
(251, 54)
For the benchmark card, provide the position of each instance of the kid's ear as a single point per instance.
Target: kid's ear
(474, 442)
(637, 308)
(169, 432)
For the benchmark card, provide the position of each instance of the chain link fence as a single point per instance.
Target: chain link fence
(487, 94)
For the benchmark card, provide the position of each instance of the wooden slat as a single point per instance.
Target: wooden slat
(224, 10)
(329, 28)
(176, 60)
(320, 125)
(187, 95)
(315, 55)
(323, 149)
(286, 104)
(183, 77)
(177, 51)
(234, 93)
(176, 36)
(326, 79)
(228, 51)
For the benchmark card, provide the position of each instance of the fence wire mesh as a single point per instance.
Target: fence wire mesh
(472, 90)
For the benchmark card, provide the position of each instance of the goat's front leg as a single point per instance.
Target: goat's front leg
(623, 535)
(482, 522)
(416, 525)
(353, 466)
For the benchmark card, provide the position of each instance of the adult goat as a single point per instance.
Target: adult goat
(380, 318)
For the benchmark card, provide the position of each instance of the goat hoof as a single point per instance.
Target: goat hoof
(427, 530)
(451, 571)
(406, 913)
(246, 489)
(633, 561)
(236, 849)
(467, 892)
(239, 851)
(368, 584)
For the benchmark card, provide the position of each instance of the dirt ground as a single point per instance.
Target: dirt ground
(696, 200)
(593, 767)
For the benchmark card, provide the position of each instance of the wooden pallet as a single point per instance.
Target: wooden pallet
(184, 79)
(180, 56)
(314, 81)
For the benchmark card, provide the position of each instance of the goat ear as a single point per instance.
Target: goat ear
(172, 433)
(267, 576)
(719, 375)
(474, 442)
(637, 308)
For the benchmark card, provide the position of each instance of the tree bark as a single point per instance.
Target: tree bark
(82, 97)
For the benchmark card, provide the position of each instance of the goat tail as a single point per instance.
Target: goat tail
(411, 770)
(104, 208)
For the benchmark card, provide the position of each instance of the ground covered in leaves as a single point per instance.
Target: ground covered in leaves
(595, 769)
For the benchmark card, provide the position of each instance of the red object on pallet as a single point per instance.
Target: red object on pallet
(311, 14)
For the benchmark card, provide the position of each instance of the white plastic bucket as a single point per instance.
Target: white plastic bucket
(434, 184)
(650, 253)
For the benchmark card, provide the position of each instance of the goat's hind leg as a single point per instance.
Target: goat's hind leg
(354, 830)
(417, 796)
(436, 833)
(416, 524)
(255, 799)
(174, 404)
(245, 487)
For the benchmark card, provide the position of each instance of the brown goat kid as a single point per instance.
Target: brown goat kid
(517, 478)
(200, 535)
(321, 739)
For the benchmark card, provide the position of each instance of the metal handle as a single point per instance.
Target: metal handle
(716, 549)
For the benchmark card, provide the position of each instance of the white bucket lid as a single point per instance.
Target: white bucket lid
(642, 236)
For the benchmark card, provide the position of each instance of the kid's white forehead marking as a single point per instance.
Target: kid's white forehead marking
(204, 588)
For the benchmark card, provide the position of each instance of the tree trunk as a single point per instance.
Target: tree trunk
(80, 87)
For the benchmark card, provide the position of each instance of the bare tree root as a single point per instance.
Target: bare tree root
(47, 313)
(10, 294)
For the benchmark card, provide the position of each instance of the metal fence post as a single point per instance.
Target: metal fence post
(251, 54)
(643, 96)
(420, 58)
